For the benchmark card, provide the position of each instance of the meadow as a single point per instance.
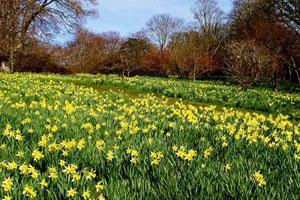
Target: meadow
(209, 92)
(63, 138)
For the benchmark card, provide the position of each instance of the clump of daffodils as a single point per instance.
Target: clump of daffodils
(259, 178)
(184, 154)
(7, 184)
(208, 152)
(29, 192)
(37, 155)
(134, 154)
(156, 158)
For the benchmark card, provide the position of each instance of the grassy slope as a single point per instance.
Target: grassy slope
(174, 178)
(207, 92)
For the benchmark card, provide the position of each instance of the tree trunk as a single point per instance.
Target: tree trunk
(2, 65)
(296, 70)
(290, 79)
(275, 83)
(244, 86)
(11, 61)
(194, 73)
(298, 76)
(123, 73)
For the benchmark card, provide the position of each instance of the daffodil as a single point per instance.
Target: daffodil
(20, 154)
(11, 165)
(43, 183)
(99, 187)
(71, 192)
(7, 184)
(208, 152)
(37, 155)
(228, 167)
(7, 197)
(86, 194)
(29, 192)
(259, 178)
(110, 155)
(70, 169)
(53, 173)
(81, 144)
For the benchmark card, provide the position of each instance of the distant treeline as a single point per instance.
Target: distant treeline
(257, 42)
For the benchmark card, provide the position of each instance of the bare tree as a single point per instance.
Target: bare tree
(8, 28)
(112, 44)
(113, 41)
(24, 19)
(160, 29)
(247, 62)
(75, 53)
(188, 55)
(288, 11)
(210, 21)
(208, 15)
(131, 52)
(260, 20)
(81, 43)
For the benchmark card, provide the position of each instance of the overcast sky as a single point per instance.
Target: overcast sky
(130, 16)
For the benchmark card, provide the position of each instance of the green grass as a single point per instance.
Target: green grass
(248, 141)
(209, 92)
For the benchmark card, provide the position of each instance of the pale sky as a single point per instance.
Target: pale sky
(130, 16)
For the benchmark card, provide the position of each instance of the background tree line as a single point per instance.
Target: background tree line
(257, 42)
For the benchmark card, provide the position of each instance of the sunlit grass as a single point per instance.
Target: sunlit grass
(65, 141)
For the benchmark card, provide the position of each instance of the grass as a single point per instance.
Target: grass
(108, 144)
(207, 92)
